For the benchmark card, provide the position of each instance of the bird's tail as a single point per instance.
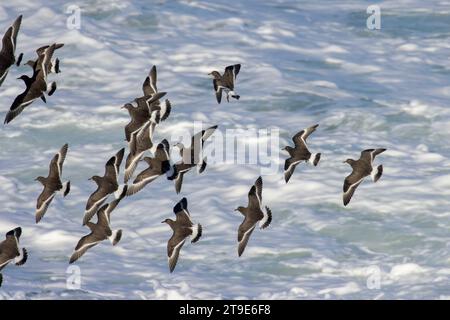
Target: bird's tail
(196, 232)
(66, 188)
(22, 258)
(267, 219)
(314, 158)
(166, 107)
(234, 95)
(377, 173)
(115, 237)
(55, 66)
(51, 88)
(1, 279)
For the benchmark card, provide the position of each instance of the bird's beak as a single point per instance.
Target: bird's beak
(35, 179)
(122, 107)
(90, 179)
(235, 209)
(163, 222)
(344, 161)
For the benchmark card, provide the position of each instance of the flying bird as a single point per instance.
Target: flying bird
(36, 87)
(226, 82)
(140, 142)
(300, 152)
(157, 166)
(101, 230)
(149, 86)
(52, 183)
(182, 228)
(150, 89)
(139, 111)
(106, 185)
(8, 52)
(51, 66)
(191, 156)
(363, 167)
(11, 252)
(252, 214)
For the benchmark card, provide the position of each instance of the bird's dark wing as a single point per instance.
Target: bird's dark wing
(300, 138)
(289, 167)
(61, 156)
(228, 78)
(149, 86)
(217, 90)
(244, 232)
(84, 245)
(174, 246)
(351, 182)
(43, 202)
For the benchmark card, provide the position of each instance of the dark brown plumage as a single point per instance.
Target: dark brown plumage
(182, 228)
(300, 152)
(157, 166)
(106, 185)
(101, 230)
(149, 87)
(10, 251)
(52, 183)
(51, 66)
(252, 214)
(191, 156)
(36, 86)
(141, 109)
(140, 142)
(8, 52)
(140, 112)
(362, 168)
(226, 82)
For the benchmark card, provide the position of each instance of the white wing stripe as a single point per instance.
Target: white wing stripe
(351, 186)
(247, 232)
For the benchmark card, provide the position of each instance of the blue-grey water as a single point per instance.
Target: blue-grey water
(303, 62)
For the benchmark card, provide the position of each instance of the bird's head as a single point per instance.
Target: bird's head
(215, 74)
(168, 221)
(127, 106)
(25, 78)
(240, 209)
(349, 161)
(40, 179)
(95, 178)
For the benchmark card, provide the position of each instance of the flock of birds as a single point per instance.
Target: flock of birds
(146, 113)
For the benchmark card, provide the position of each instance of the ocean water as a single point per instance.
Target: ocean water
(303, 62)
